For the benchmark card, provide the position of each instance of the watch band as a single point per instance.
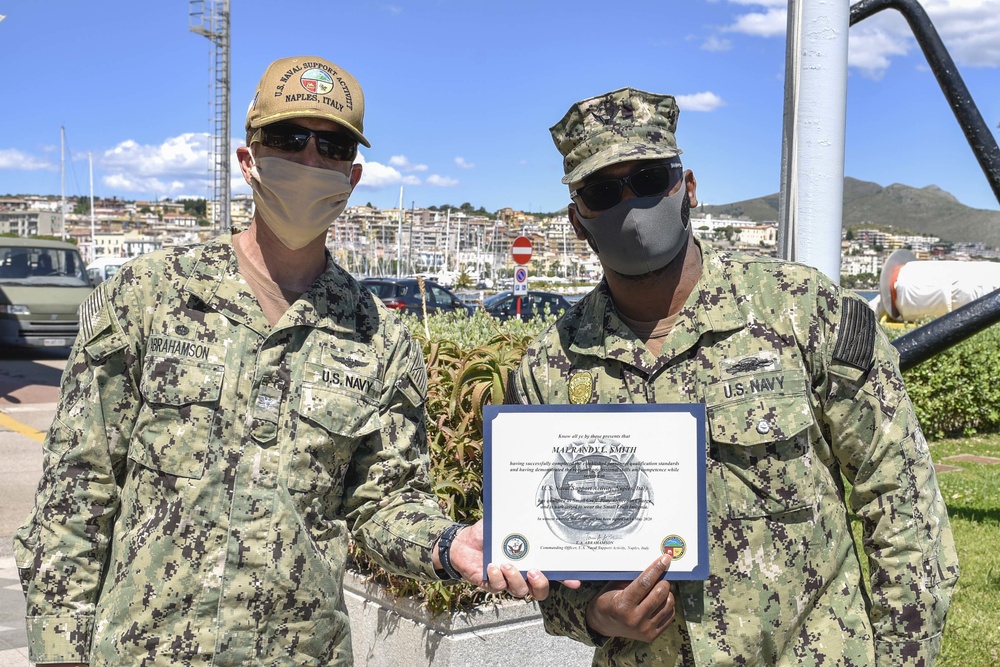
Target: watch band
(444, 551)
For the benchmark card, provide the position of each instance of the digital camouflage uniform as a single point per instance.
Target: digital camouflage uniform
(204, 470)
(800, 387)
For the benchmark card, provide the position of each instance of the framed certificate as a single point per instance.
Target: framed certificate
(595, 491)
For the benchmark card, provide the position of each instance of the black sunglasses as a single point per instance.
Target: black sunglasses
(293, 138)
(644, 182)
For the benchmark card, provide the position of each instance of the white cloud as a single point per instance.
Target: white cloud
(463, 164)
(441, 181)
(706, 101)
(970, 30)
(179, 164)
(869, 50)
(11, 158)
(185, 156)
(376, 175)
(761, 3)
(131, 183)
(401, 162)
(771, 23)
(715, 43)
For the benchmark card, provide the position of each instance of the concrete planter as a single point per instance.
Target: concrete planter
(387, 632)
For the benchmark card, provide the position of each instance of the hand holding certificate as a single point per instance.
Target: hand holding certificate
(597, 491)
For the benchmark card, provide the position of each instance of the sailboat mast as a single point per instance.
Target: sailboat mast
(93, 242)
(447, 239)
(62, 169)
(399, 237)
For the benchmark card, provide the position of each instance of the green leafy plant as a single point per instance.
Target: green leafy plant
(955, 393)
(468, 362)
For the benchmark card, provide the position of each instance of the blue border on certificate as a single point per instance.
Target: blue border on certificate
(490, 412)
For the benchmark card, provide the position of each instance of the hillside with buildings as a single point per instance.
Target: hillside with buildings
(446, 242)
(928, 211)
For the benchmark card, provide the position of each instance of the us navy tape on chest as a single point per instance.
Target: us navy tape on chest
(338, 378)
(753, 386)
(755, 374)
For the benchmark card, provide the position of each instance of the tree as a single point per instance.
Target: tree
(197, 207)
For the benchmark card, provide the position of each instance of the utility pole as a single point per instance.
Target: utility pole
(210, 18)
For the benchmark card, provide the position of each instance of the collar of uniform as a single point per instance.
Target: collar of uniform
(330, 303)
(215, 281)
(713, 306)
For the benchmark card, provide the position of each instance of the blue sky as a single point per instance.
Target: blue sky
(460, 93)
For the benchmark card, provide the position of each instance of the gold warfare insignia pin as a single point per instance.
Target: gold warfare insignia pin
(581, 388)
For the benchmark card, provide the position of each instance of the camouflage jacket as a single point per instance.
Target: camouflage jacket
(802, 389)
(204, 470)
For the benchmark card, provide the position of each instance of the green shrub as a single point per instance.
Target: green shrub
(468, 360)
(956, 393)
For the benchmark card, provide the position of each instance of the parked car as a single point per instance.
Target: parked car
(503, 306)
(403, 295)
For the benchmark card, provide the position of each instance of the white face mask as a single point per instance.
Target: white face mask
(297, 202)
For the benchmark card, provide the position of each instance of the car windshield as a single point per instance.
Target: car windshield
(496, 298)
(27, 265)
(382, 290)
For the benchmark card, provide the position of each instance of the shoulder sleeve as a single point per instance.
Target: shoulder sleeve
(880, 448)
(855, 344)
(395, 517)
(62, 547)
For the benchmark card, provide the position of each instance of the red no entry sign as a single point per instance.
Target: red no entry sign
(521, 250)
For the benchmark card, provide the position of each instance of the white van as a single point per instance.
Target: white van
(42, 284)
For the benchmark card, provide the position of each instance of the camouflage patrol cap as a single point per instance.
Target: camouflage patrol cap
(626, 124)
(308, 86)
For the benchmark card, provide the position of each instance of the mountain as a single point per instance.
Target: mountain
(929, 210)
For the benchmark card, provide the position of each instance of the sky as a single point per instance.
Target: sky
(460, 93)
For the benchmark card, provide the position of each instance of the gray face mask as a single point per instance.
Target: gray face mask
(642, 234)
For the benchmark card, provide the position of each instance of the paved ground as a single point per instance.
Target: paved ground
(28, 395)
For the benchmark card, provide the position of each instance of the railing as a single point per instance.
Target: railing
(947, 330)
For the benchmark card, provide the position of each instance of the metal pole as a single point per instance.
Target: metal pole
(815, 123)
(977, 132)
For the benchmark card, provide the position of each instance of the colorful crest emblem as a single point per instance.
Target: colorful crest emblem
(515, 547)
(675, 546)
(581, 388)
(316, 81)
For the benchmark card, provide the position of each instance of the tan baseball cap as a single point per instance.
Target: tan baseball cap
(308, 86)
(625, 124)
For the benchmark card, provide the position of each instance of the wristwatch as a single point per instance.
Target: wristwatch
(444, 552)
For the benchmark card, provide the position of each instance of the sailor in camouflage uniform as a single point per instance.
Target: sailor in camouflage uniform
(802, 390)
(231, 413)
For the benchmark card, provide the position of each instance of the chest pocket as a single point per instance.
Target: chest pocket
(331, 424)
(180, 401)
(762, 442)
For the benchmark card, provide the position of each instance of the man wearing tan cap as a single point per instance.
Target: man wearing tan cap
(801, 389)
(232, 413)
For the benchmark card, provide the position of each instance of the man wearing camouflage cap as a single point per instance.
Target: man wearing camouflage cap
(231, 414)
(801, 389)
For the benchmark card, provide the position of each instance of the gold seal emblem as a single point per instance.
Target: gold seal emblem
(581, 388)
